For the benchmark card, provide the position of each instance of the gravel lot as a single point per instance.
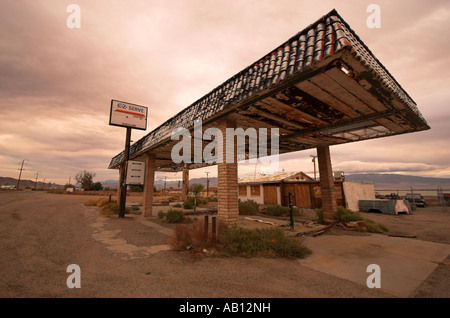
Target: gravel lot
(41, 234)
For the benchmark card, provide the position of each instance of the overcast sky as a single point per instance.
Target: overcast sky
(56, 83)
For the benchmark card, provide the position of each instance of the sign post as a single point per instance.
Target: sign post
(123, 185)
(129, 116)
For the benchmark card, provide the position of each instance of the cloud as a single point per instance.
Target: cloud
(356, 166)
(56, 83)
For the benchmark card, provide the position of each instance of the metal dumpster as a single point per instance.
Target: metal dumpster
(392, 207)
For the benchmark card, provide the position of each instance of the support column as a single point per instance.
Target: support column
(228, 191)
(327, 189)
(149, 184)
(185, 188)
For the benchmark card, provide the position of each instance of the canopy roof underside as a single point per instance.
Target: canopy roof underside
(323, 85)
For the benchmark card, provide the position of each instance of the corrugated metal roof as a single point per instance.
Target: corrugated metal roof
(277, 177)
(326, 37)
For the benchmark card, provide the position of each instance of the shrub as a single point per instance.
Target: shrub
(161, 215)
(266, 242)
(374, 227)
(178, 205)
(192, 236)
(91, 202)
(189, 203)
(277, 210)
(174, 216)
(347, 215)
(101, 202)
(110, 208)
(319, 213)
(249, 207)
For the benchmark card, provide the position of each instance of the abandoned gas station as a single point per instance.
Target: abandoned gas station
(322, 87)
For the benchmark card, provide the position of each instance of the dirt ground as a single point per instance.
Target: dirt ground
(41, 234)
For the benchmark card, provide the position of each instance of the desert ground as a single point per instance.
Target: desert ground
(43, 233)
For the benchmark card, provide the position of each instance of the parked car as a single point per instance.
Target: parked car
(418, 199)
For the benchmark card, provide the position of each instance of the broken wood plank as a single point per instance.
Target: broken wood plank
(353, 86)
(326, 229)
(294, 111)
(399, 235)
(276, 117)
(260, 221)
(342, 94)
(322, 95)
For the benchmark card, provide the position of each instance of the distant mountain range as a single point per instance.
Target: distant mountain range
(399, 181)
(159, 184)
(30, 184)
(380, 181)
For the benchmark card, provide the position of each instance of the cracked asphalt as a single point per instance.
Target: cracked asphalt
(41, 234)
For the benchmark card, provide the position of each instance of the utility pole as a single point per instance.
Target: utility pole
(207, 185)
(165, 177)
(35, 183)
(314, 162)
(20, 174)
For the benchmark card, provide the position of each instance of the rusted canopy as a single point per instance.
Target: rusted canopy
(323, 85)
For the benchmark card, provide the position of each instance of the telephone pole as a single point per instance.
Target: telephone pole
(314, 161)
(35, 183)
(207, 185)
(20, 174)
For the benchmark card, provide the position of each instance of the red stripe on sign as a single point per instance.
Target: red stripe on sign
(128, 112)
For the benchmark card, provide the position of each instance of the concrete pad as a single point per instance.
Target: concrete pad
(404, 263)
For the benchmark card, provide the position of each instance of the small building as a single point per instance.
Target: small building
(305, 191)
(447, 198)
(211, 192)
(8, 186)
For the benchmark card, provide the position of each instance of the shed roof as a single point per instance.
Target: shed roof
(323, 85)
(277, 177)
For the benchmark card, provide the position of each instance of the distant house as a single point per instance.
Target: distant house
(8, 186)
(211, 192)
(447, 198)
(305, 191)
(171, 191)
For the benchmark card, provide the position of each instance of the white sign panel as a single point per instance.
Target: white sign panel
(135, 172)
(128, 115)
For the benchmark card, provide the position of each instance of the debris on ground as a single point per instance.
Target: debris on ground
(259, 220)
(400, 235)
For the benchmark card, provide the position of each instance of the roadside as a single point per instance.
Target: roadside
(41, 234)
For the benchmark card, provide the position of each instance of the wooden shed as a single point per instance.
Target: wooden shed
(275, 189)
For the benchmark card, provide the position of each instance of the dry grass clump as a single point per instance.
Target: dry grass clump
(91, 202)
(192, 236)
(347, 215)
(235, 241)
(261, 242)
(106, 207)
